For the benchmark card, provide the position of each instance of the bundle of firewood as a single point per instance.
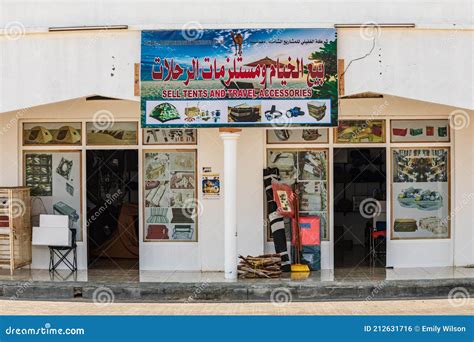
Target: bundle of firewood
(262, 266)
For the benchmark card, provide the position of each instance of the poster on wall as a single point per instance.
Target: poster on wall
(112, 133)
(420, 193)
(52, 133)
(431, 130)
(307, 169)
(211, 186)
(169, 136)
(297, 136)
(55, 181)
(239, 77)
(170, 195)
(360, 131)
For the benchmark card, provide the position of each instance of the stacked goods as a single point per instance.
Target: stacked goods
(262, 266)
(317, 109)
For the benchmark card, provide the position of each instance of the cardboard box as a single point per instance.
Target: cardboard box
(51, 236)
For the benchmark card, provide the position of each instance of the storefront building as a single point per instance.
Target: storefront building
(405, 94)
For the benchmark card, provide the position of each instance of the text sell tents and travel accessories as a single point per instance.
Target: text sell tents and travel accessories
(239, 78)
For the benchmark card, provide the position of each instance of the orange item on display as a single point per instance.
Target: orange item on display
(310, 227)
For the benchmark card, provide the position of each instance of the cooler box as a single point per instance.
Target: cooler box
(53, 231)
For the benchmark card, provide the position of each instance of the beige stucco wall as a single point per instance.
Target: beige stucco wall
(208, 252)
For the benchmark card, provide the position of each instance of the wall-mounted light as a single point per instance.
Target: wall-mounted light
(88, 28)
(381, 25)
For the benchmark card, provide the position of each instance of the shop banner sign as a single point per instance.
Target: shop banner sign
(239, 78)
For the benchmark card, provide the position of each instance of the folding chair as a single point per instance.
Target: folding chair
(62, 253)
(55, 233)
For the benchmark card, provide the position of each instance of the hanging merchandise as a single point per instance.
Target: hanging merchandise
(283, 196)
(275, 220)
(309, 231)
(310, 241)
(297, 266)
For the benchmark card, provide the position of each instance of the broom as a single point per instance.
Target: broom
(297, 266)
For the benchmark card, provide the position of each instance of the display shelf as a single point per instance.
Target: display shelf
(15, 227)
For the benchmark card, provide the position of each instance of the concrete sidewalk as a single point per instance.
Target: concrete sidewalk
(393, 307)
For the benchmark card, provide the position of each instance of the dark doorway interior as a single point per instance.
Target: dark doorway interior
(359, 207)
(112, 209)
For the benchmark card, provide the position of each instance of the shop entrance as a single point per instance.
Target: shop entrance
(359, 207)
(112, 209)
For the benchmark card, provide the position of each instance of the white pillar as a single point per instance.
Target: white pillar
(230, 204)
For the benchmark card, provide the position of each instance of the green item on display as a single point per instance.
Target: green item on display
(416, 131)
(442, 131)
(165, 112)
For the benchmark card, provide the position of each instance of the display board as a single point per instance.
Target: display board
(360, 131)
(308, 169)
(408, 131)
(169, 136)
(169, 197)
(239, 78)
(420, 193)
(111, 133)
(55, 181)
(52, 133)
(298, 136)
